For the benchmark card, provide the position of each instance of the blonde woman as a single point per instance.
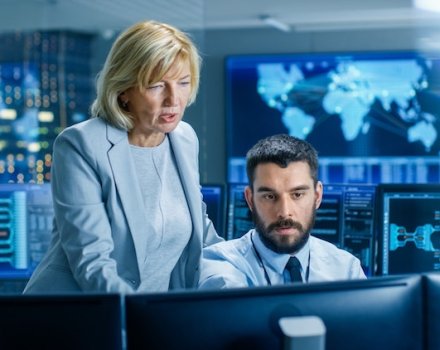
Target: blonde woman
(129, 215)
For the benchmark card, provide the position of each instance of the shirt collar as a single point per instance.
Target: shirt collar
(278, 261)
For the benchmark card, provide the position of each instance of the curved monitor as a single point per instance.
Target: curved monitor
(408, 228)
(380, 313)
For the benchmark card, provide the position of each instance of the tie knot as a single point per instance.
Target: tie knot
(293, 263)
(293, 266)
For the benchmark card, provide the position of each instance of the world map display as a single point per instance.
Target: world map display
(373, 117)
(350, 92)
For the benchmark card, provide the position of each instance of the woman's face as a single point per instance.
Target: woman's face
(157, 109)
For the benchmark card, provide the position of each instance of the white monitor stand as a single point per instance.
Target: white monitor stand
(303, 333)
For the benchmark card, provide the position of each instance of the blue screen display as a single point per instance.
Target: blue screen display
(373, 117)
(408, 226)
(214, 198)
(26, 215)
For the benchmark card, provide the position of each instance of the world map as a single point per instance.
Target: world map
(349, 91)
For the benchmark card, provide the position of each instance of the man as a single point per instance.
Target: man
(283, 196)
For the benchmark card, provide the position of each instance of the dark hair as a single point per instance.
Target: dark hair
(282, 150)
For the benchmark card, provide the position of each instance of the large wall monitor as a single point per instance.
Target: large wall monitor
(374, 117)
(408, 228)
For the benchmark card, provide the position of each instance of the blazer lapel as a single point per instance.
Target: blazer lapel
(183, 152)
(128, 189)
(183, 149)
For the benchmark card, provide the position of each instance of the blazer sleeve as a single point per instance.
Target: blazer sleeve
(218, 272)
(80, 213)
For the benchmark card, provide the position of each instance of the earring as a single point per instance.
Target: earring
(124, 104)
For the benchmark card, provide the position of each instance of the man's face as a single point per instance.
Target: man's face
(283, 205)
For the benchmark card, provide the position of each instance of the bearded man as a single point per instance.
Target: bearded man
(283, 195)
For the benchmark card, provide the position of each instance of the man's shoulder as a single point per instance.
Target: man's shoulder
(332, 263)
(327, 249)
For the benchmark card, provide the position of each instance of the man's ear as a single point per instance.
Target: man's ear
(318, 193)
(248, 195)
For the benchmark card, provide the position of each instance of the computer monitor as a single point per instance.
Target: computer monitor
(432, 309)
(214, 198)
(408, 228)
(380, 313)
(345, 218)
(239, 219)
(61, 322)
(380, 108)
(26, 216)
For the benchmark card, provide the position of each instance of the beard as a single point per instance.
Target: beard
(283, 244)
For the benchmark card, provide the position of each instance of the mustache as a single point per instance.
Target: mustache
(285, 223)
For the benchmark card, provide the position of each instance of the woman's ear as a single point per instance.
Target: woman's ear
(123, 99)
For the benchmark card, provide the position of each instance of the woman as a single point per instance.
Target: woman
(129, 216)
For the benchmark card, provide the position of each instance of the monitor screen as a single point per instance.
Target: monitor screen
(374, 117)
(408, 228)
(26, 216)
(214, 198)
(345, 218)
(358, 314)
(239, 216)
(61, 322)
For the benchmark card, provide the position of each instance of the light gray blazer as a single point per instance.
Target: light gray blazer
(98, 242)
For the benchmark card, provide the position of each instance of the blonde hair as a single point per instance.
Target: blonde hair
(139, 57)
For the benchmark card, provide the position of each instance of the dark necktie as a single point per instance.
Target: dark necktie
(293, 266)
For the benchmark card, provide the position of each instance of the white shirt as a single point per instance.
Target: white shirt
(234, 263)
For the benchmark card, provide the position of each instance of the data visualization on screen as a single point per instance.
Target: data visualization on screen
(239, 215)
(345, 218)
(26, 216)
(380, 109)
(408, 228)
